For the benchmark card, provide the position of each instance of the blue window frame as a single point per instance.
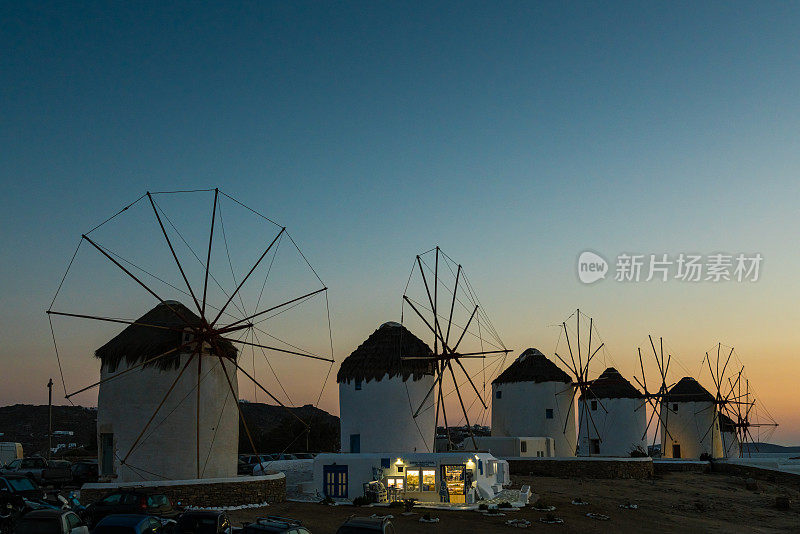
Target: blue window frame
(548, 413)
(499, 394)
(358, 385)
(355, 442)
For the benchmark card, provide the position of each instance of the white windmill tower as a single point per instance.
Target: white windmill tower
(534, 397)
(618, 418)
(376, 389)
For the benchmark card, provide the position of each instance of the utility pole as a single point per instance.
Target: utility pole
(50, 417)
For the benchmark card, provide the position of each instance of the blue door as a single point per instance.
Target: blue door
(335, 481)
(355, 442)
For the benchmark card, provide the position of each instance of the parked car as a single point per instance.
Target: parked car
(204, 522)
(38, 469)
(130, 524)
(50, 522)
(275, 525)
(366, 525)
(22, 486)
(84, 471)
(137, 502)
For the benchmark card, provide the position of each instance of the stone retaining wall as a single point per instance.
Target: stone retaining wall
(212, 492)
(582, 467)
(675, 466)
(759, 473)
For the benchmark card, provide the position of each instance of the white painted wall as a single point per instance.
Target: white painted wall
(168, 448)
(521, 411)
(687, 426)
(381, 412)
(511, 447)
(620, 429)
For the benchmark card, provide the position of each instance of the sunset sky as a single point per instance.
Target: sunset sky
(515, 135)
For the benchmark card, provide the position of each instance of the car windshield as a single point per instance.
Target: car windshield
(155, 501)
(20, 484)
(38, 525)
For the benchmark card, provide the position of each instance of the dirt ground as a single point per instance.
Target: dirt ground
(676, 502)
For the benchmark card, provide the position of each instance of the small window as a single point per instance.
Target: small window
(428, 480)
(412, 480)
(594, 405)
(400, 468)
(499, 394)
(358, 385)
(548, 413)
(594, 446)
(523, 446)
(675, 407)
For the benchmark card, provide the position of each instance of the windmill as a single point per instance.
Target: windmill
(734, 399)
(579, 368)
(461, 323)
(656, 398)
(209, 335)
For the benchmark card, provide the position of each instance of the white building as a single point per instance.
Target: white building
(690, 425)
(730, 439)
(534, 397)
(167, 447)
(379, 393)
(613, 418)
(455, 477)
(512, 446)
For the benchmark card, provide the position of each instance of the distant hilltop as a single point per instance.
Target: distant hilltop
(74, 427)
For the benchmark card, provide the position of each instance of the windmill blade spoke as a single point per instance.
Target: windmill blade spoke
(172, 250)
(568, 366)
(433, 386)
(119, 321)
(253, 268)
(452, 305)
(461, 402)
(569, 409)
(461, 337)
(138, 281)
(471, 383)
(208, 257)
(228, 328)
(277, 349)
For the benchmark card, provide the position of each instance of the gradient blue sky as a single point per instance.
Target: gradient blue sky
(513, 134)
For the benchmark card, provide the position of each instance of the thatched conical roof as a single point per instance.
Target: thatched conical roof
(381, 354)
(532, 366)
(688, 390)
(612, 385)
(138, 343)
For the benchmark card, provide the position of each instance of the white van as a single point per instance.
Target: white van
(9, 451)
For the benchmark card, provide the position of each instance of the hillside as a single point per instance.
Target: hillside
(274, 428)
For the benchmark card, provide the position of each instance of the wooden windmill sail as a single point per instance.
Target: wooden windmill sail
(734, 399)
(454, 326)
(656, 398)
(578, 365)
(209, 333)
